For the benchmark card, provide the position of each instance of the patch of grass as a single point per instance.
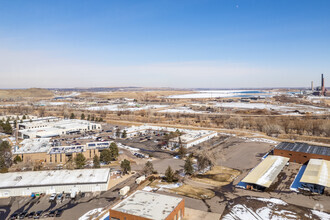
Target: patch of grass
(218, 176)
(194, 192)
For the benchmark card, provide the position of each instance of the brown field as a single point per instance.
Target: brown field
(133, 95)
(218, 176)
(24, 93)
(194, 192)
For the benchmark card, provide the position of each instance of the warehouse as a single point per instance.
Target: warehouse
(142, 205)
(316, 176)
(302, 152)
(33, 149)
(263, 175)
(55, 181)
(57, 128)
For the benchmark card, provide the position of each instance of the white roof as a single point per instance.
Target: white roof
(54, 177)
(266, 171)
(148, 205)
(317, 172)
(38, 145)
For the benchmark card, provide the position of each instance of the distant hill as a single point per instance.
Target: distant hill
(33, 92)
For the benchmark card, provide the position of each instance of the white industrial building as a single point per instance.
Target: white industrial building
(55, 181)
(57, 128)
(188, 139)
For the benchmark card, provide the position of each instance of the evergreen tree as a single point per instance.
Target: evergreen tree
(125, 165)
(117, 132)
(24, 117)
(169, 174)
(96, 162)
(124, 134)
(188, 167)
(82, 117)
(114, 150)
(72, 116)
(17, 159)
(88, 118)
(105, 156)
(80, 161)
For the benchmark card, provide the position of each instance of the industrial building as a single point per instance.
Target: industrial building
(56, 128)
(189, 137)
(263, 175)
(302, 152)
(40, 150)
(55, 181)
(316, 176)
(142, 205)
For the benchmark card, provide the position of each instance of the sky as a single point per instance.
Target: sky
(164, 43)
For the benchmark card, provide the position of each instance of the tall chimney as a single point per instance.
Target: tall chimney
(312, 87)
(322, 85)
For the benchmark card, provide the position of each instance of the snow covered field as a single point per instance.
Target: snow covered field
(181, 110)
(125, 107)
(222, 94)
(274, 209)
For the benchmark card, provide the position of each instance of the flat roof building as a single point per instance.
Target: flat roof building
(55, 181)
(302, 152)
(142, 205)
(58, 128)
(264, 174)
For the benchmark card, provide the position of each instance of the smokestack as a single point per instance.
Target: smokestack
(322, 85)
(312, 87)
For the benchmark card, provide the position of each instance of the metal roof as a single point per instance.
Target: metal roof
(54, 177)
(317, 172)
(148, 205)
(305, 148)
(266, 171)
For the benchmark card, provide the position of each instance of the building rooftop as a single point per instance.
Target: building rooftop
(39, 145)
(317, 172)
(54, 177)
(148, 205)
(67, 149)
(305, 148)
(266, 171)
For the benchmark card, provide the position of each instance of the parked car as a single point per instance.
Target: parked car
(59, 212)
(31, 214)
(38, 214)
(14, 216)
(52, 213)
(23, 215)
(59, 196)
(67, 196)
(52, 197)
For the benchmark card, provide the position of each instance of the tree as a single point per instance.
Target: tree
(124, 134)
(88, 117)
(182, 150)
(80, 161)
(114, 150)
(17, 159)
(188, 167)
(117, 132)
(203, 162)
(82, 117)
(3, 167)
(169, 174)
(148, 168)
(24, 117)
(93, 118)
(5, 155)
(72, 116)
(125, 165)
(96, 162)
(105, 156)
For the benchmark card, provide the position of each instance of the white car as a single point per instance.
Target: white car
(52, 197)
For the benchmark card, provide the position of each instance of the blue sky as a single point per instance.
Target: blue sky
(193, 43)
